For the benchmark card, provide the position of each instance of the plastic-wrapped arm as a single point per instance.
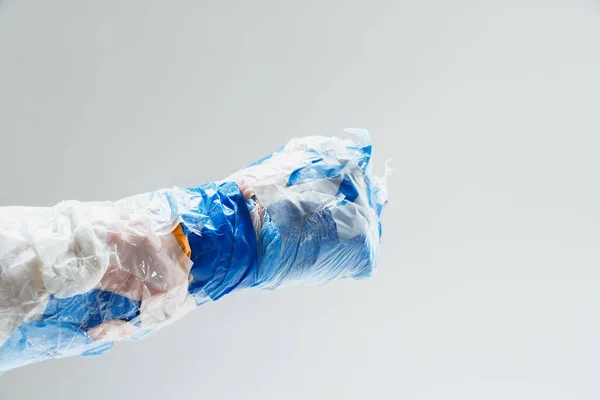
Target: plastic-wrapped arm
(76, 277)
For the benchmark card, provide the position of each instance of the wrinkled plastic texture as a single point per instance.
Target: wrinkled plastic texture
(78, 277)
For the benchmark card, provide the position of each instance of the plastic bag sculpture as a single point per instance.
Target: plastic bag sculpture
(78, 277)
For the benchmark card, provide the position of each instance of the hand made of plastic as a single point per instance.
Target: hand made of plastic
(77, 277)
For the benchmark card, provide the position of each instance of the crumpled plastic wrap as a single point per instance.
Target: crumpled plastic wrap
(78, 277)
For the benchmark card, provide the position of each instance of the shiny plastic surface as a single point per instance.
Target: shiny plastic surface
(78, 277)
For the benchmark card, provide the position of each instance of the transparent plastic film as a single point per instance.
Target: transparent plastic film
(78, 277)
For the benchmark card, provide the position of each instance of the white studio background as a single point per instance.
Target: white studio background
(489, 285)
